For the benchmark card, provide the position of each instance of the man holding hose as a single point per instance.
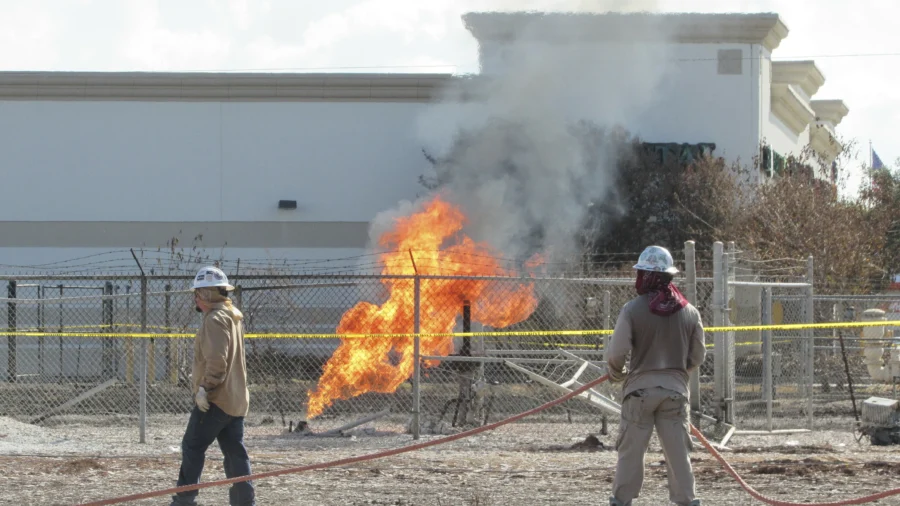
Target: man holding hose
(219, 380)
(663, 333)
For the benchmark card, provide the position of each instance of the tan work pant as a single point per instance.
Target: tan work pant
(668, 412)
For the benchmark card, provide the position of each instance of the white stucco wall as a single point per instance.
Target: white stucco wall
(661, 92)
(782, 139)
(697, 104)
(776, 133)
(73, 165)
(206, 161)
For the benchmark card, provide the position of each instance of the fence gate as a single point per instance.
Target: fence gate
(763, 376)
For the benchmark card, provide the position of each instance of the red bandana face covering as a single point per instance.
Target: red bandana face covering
(665, 299)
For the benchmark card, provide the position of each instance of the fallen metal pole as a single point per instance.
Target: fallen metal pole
(776, 432)
(603, 371)
(595, 398)
(66, 405)
(366, 419)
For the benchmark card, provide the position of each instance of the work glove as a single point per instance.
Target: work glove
(202, 401)
(617, 376)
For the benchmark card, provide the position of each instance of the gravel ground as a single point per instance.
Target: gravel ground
(522, 464)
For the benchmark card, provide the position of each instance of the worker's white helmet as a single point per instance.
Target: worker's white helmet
(656, 259)
(211, 277)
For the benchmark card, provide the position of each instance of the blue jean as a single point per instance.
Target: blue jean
(202, 430)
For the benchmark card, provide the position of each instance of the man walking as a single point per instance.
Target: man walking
(220, 391)
(664, 335)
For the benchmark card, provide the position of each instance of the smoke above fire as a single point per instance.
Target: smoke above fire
(525, 147)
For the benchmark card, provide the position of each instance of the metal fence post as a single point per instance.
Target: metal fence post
(767, 354)
(11, 372)
(810, 340)
(690, 287)
(143, 371)
(727, 337)
(719, 295)
(466, 349)
(144, 345)
(690, 272)
(417, 400)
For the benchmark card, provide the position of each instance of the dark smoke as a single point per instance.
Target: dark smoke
(531, 146)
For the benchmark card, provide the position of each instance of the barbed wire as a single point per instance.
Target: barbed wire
(773, 260)
(119, 263)
(156, 261)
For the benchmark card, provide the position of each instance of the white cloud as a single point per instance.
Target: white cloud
(28, 38)
(240, 13)
(244, 13)
(267, 53)
(151, 46)
(325, 32)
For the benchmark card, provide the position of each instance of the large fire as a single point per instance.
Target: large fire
(429, 242)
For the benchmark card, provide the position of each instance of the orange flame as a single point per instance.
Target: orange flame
(378, 364)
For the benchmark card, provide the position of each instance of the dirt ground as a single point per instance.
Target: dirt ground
(520, 464)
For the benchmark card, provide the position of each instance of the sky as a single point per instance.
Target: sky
(855, 44)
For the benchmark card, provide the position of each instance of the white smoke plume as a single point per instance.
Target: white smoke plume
(509, 146)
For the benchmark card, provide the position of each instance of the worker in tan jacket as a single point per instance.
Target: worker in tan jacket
(663, 334)
(219, 385)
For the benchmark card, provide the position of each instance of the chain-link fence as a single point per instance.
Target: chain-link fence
(78, 346)
(766, 376)
(853, 364)
(52, 364)
(806, 378)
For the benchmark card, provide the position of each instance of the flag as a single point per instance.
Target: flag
(876, 162)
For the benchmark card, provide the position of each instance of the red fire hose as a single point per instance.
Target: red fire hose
(775, 502)
(472, 432)
(353, 460)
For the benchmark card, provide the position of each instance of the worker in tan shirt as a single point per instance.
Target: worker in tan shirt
(663, 333)
(219, 385)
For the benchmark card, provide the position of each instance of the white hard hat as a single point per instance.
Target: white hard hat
(210, 277)
(656, 259)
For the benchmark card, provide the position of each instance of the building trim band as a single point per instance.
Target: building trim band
(220, 87)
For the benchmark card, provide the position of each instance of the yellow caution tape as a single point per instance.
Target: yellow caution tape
(134, 335)
(19, 331)
(514, 333)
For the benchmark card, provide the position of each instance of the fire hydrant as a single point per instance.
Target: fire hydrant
(873, 344)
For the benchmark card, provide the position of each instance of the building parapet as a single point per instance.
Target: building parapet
(201, 86)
